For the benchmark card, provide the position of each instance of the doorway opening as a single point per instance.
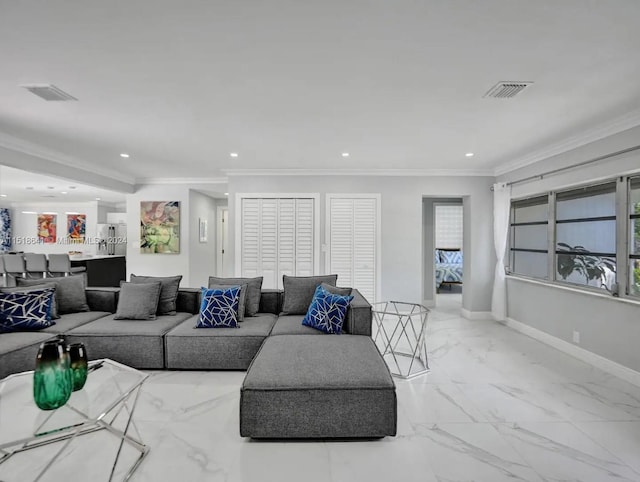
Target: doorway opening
(222, 245)
(443, 242)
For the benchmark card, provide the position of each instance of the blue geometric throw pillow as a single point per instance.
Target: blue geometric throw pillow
(26, 311)
(327, 311)
(451, 257)
(219, 308)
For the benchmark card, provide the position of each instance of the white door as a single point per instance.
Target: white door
(277, 237)
(223, 240)
(353, 233)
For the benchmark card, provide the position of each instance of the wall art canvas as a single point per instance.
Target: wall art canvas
(47, 228)
(5, 230)
(76, 227)
(160, 227)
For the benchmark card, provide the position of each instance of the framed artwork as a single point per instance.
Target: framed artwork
(76, 227)
(203, 230)
(47, 228)
(160, 227)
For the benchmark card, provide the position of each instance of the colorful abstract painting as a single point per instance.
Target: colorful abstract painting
(76, 227)
(47, 228)
(160, 227)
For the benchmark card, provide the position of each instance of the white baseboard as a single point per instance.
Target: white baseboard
(476, 315)
(586, 356)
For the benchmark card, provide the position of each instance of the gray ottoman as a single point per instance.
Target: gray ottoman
(309, 386)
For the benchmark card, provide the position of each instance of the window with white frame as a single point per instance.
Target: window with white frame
(634, 236)
(586, 236)
(529, 237)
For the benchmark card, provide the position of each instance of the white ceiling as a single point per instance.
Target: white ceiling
(292, 84)
(20, 186)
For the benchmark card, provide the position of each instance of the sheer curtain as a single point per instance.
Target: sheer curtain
(501, 206)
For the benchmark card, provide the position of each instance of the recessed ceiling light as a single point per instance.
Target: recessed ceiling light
(63, 192)
(345, 154)
(226, 193)
(234, 154)
(124, 154)
(469, 154)
(29, 212)
(50, 187)
(97, 199)
(3, 195)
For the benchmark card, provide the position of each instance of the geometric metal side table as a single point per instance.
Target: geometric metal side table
(401, 337)
(106, 404)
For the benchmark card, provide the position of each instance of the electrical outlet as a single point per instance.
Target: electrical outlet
(576, 337)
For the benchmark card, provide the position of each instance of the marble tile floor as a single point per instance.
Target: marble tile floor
(496, 406)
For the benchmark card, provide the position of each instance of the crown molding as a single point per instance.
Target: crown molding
(359, 172)
(181, 180)
(614, 126)
(26, 147)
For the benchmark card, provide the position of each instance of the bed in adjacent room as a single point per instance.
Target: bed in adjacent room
(448, 264)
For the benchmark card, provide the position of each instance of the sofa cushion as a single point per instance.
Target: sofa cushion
(219, 308)
(18, 351)
(327, 311)
(138, 301)
(254, 287)
(191, 348)
(298, 291)
(337, 290)
(73, 320)
(26, 311)
(168, 292)
(70, 293)
(242, 296)
(40, 286)
(292, 325)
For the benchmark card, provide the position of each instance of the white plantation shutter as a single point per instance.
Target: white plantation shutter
(353, 235)
(277, 237)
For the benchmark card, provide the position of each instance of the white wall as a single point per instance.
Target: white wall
(608, 326)
(158, 264)
(25, 226)
(402, 224)
(202, 256)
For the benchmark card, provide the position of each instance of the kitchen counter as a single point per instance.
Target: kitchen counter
(103, 270)
(94, 256)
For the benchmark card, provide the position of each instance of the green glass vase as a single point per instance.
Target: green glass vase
(79, 364)
(52, 380)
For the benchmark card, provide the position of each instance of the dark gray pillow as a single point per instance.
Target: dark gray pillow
(168, 293)
(138, 301)
(254, 288)
(70, 293)
(42, 285)
(242, 296)
(298, 291)
(335, 290)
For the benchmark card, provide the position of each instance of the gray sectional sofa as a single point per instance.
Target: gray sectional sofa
(287, 363)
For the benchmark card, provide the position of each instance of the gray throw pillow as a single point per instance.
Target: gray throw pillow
(168, 293)
(70, 293)
(254, 289)
(42, 285)
(335, 290)
(299, 290)
(242, 296)
(138, 301)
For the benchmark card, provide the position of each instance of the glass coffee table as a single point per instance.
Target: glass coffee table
(90, 432)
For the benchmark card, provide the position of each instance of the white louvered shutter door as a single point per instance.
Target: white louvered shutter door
(286, 238)
(341, 240)
(250, 232)
(269, 242)
(364, 242)
(353, 243)
(304, 234)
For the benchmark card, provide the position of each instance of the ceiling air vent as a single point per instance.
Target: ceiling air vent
(48, 92)
(506, 90)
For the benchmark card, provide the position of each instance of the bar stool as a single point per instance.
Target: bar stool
(14, 267)
(60, 265)
(36, 265)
